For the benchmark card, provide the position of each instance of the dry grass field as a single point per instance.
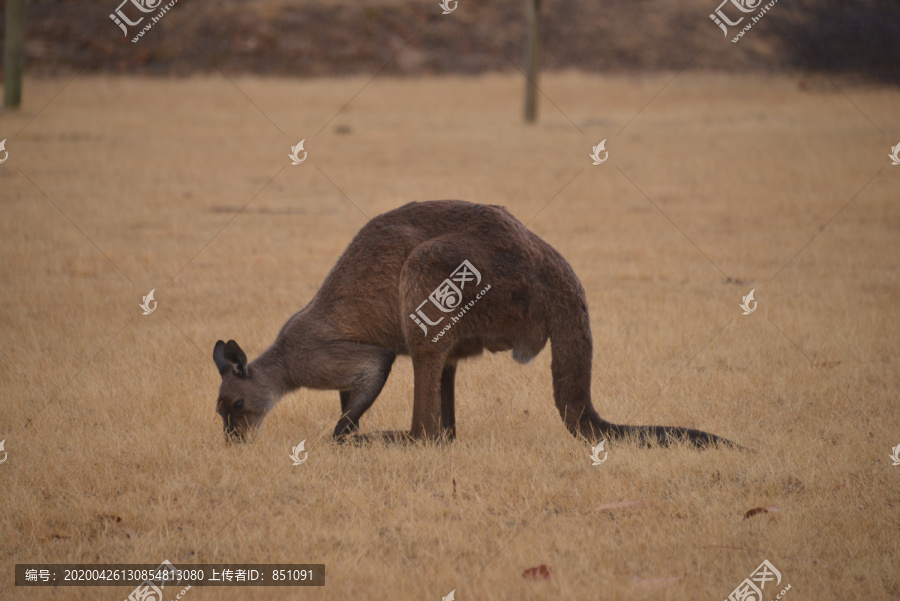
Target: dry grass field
(715, 185)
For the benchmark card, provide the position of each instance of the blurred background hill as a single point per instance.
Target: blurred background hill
(860, 39)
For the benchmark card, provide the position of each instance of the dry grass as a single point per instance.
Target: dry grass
(107, 412)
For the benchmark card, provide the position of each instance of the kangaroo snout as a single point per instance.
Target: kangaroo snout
(233, 436)
(238, 424)
(240, 429)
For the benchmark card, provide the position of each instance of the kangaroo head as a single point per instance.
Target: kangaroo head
(243, 399)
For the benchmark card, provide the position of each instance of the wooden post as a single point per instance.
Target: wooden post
(532, 56)
(14, 53)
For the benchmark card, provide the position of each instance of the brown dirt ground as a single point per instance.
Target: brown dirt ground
(715, 185)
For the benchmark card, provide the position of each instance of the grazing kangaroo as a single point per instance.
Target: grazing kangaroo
(439, 281)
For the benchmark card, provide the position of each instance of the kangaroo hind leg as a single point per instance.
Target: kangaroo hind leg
(448, 401)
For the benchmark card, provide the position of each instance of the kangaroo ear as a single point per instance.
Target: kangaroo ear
(235, 358)
(230, 357)
(219, 358)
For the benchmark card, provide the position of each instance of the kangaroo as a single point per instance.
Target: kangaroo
(439, 281)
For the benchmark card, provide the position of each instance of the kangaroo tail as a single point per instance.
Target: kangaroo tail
(572, 350)
(664, 435)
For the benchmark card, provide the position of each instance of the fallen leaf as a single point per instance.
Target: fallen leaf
(541, 572)
(109, 517)
(756, 510)
(828, 363)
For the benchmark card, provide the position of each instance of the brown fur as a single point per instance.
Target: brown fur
(347, 337)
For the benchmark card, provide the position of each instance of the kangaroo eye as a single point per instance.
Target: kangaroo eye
(238, 405)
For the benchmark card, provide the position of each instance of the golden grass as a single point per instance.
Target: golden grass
(110, 414)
